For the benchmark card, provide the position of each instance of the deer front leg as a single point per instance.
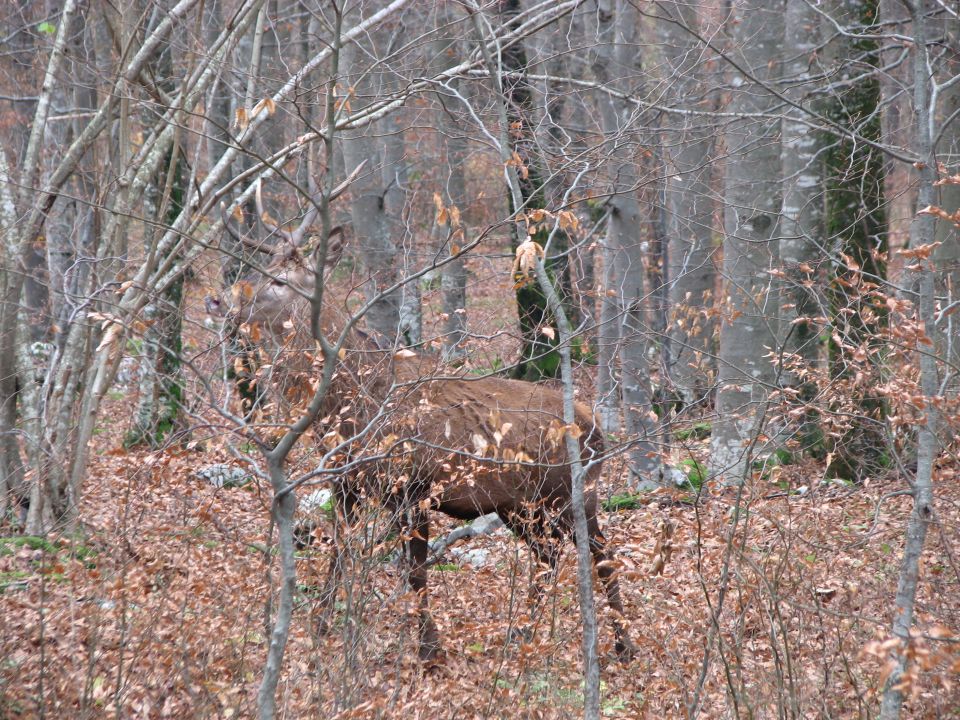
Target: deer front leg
(602, 559)
(344, 516)
(417, 544)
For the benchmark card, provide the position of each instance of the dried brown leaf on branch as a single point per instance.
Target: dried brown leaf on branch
(525, 263)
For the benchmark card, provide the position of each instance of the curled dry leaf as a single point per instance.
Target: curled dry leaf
(569, 222)
(110, 336)
(442, 215)
(528, 253)
(266, 104)
(240, 119)
(920, 253)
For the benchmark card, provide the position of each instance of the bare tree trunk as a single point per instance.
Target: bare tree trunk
(367, 209)
(749, 330)
(856, 222)
(588, 611)
(453, 277)
(538, 358)
(11, 461)
(395, 184)
(616, 61)
(282, 510)
(591, 667)
(14, 360)
(689, 145)
(947, 254)
(922, 233)
(161, 385)
(611, 295)
(802, 236)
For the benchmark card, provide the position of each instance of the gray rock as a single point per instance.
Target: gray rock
(225, 476)
(321, 499)
(475, 557)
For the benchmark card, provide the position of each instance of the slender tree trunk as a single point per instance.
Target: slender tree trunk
(947, 254)
(802, 236)
(538, 358)
(749, 330)
(922, 233)
(15, 361)
(11, 461)
(283, 511)
(161, 381)
(395, 185)
(615, 62)
(453, 276)
(578, 474)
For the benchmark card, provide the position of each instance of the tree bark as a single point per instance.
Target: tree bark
(453, 147)
(614, 63)
(749, 329)
(538, 358)
(922, 232)
(368, 206)
(801, 221)
(856, 222)
(947, 254)
(689, 146)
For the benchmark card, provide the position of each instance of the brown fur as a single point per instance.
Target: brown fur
(468, 447)
(463, 446)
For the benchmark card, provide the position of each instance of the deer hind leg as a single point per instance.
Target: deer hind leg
(417, 577)
(347, 496)
(603, 561)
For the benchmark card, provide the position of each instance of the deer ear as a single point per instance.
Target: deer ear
(334, 248)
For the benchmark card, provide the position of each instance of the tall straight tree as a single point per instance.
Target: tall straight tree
(369, 209)
(538, 356)
(926, 34)
(453, 278)
(801, 222)
(855, 221)
(688, 146)
(623, 329)
(749, 327)
(161, 379)
(947, 253)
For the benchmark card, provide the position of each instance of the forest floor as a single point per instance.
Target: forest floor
(775, 601)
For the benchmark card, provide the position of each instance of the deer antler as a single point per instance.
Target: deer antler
(241, 239)
(267, 221)
(351, 178)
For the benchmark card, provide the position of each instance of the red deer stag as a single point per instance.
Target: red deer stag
(464, 446)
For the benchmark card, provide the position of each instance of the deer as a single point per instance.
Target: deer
(429, 441)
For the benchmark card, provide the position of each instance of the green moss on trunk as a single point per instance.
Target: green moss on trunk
(856, 223)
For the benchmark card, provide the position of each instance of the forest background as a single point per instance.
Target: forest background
(727, 226)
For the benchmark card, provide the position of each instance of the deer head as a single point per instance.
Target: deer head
(275, 297)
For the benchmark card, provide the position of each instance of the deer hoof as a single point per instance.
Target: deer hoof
(625, 648)
(429, 652)
(520, 634)
(429, 642)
